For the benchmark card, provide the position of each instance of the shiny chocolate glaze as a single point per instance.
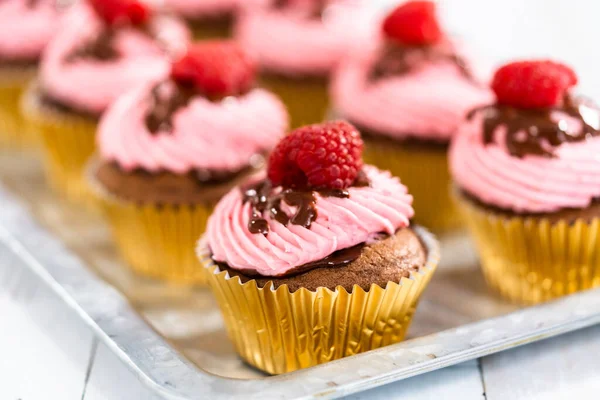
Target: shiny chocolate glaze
(396, 60)
(336, 259)
(534, 131)
(388, 258)
(317, 9)
(261, 198)
(164, 106)
(100, 48)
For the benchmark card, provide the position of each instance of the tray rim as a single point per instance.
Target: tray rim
(170, 375)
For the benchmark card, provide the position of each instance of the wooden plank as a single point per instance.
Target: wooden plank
(560, 368)
(461, 381)
(110, 380)
(43, 357)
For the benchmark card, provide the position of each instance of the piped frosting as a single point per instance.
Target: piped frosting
(565, 175)
(341, 222)
(27, 27)
(425, 98)
(290, 41)
(204, 134)
(90, 84)
(198, 9)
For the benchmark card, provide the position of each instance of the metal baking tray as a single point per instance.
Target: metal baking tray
(173, 338)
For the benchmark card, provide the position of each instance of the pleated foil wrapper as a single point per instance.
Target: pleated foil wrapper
(15, 132)
(68, 142)
(531, 260)
(306, 99)
(156, 240)
(424, 170)
(279, 331)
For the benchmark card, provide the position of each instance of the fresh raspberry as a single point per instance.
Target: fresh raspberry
(413, 23)
(321, 156)
(216, 68)
(115, 12)
(533, 84)
(137, 12)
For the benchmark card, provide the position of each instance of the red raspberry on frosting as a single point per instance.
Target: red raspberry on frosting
(413, 23)
(216, 68)
(321, 156)
(115, 12)
(533, 84)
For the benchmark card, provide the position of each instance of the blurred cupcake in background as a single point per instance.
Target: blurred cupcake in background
(527, 174)
(408, 92)
(104, 48)
(170, 149)
(298, 43)
(207, 18)
(27, 27)
(318, 260)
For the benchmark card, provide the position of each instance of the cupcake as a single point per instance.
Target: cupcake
(408, 93)
(527, 174)
(318, 260)
(169, 150)
(207, 18)
(103, 49)
(297, 44)
(27, 26)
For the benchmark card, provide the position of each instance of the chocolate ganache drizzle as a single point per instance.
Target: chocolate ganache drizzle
(262, 200)
(164, 104)
(100, 48)
(535, 131)
(316, 10)
(336, 259)
(396, 60)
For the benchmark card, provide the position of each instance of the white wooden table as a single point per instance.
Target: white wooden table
(57, 357)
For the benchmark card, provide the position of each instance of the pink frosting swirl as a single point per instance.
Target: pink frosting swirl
(532, 184)
(91, 85)
(384, 206)
(26, 29)
(201, 8)
(287, 42)
(206, 135)
(428, 103)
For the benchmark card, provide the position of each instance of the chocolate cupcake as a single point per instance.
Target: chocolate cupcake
(207, 18)
(408, 92)
(170, 149)
(527, 174)
(298, 43)
(27, 27)
(103, 49)
(318, 260)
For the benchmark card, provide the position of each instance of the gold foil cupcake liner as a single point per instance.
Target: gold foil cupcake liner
(279, 331)
(305, 98)
(15, 132)
(68, 143)
(156, 241)
(531, 260)
(424, 170)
